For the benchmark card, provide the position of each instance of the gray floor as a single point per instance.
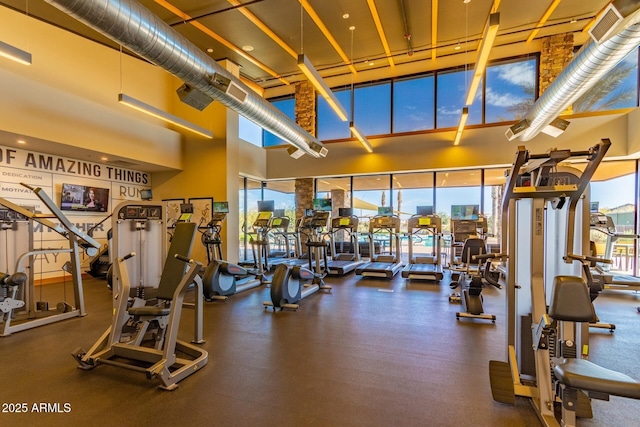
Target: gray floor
(370, 353)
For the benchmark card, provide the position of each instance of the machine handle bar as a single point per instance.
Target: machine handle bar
(182, 258)
(586, 258)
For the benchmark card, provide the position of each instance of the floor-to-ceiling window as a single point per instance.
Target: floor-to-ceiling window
(369, 193)
(494, 181)
(613, 194)
(412, 192)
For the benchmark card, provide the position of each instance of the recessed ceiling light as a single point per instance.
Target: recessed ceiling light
(247, 48)
(353, 27)
(371, 63)
(104, 158)
(345, 16)
(22, 141)
(210, 50)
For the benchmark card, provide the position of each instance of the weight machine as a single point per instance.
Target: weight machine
(18, 305)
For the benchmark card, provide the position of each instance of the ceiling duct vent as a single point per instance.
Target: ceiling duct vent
(605, 25)
(236, 92)
(513, 132)
(227, 86)
(193, 97)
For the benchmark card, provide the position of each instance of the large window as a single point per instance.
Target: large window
(617, 89)
(288, 107)
(373, 108)
(249, 131)
(369, 193)
(612, 194)
(413, 106)
(452, 92)
(510, 90)
(411, 190)
(251, 191)
(330, 126)
(336, 189)
(456, 188)
(494, 181)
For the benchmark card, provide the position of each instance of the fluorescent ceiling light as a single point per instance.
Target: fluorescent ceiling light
(463, 121)
(483, 55)
(316, 80)
(163, 115)
(356, 132)
(13, 53)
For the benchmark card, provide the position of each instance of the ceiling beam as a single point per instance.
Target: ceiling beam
(264, 28)
(323, 28)
(376, 18)
(220, 39)
(552, 7)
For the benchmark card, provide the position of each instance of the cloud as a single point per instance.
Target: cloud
(518, 73)
(502, 99)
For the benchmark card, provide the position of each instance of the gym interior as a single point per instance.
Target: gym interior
(355, 228)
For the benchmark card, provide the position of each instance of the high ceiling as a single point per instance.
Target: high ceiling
(411, 35)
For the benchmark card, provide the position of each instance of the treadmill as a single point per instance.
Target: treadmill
(424, 266)
(387, 264)
(345, 255)
(611, 280)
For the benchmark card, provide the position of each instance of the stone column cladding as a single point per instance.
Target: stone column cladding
(305, 107)
(338, 200)
(304, 195)
(556, 52)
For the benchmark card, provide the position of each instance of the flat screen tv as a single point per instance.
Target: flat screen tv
(342, 212)
(385, 210)
(266, 206)
(468, 212)
(278, 213)
(221, 207)
(146, 194)
(322, 205)
(82, 198)
(424, 210)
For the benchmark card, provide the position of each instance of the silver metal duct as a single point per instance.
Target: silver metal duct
(135, 27)
(591, 63)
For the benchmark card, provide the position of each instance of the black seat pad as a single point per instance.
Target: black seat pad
(149, 311)
(584, 375)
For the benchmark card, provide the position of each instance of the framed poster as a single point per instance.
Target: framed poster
(173, 211)
(202, 208)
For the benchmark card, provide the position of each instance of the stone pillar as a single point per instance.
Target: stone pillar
(555, 54)
(304, 195)
(306, 106)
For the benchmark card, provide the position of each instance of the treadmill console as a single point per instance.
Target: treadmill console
(320, 219)
(344, 222)
(262, 221)
(385, 221)
(425, 222)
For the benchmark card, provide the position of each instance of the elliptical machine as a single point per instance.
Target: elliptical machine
(290, 284)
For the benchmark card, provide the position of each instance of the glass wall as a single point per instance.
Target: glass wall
(369, 193)
(372, 112)
(510, 90)
(337, 189)
(617, 89)
(494, 181)
(251, 192)
(409, 191)
(450, 98)
(329, 125)
(288, 107)
(620, 245)
(413, 107)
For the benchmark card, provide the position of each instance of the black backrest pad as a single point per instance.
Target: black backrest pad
(570, 300)
(173, 270)
(472, 246)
